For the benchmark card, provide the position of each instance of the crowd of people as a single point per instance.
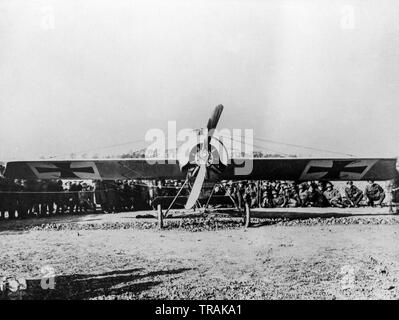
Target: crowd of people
(28, 198)
(40, 198)
(282, 194)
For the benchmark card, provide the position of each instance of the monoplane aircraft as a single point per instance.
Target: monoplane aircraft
(205, 162)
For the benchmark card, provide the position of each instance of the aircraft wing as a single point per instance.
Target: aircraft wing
(107, 169)
(300, 169)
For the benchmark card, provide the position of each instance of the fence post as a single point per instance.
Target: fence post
(160, 216)
(247, 217)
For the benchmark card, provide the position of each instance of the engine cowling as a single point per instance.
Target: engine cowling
(215, 159)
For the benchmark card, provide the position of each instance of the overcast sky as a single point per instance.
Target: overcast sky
(77, 75)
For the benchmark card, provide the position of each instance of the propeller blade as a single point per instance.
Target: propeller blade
(211, 126)
(196, 190)
(199, 180)
(214, 119)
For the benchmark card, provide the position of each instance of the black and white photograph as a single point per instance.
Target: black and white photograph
(202, 152)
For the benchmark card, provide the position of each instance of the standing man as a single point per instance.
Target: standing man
(374, 192)
(52, 188)
(239, 194)
(251, 194)
(74, 189)
(394, 189)
(59, 196)
(100, 195)
(3, 188)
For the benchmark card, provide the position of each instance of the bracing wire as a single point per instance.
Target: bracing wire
(302, 146)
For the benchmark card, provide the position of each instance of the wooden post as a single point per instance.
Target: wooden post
(247, 217)
(160, 216)
(390, 196)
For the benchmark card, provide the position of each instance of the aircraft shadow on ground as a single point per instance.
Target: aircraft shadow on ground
(86, 286)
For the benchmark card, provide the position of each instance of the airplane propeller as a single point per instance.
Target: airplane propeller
(204, 155)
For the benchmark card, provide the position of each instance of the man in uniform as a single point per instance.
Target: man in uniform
(12, 198)
(112, 196)
(3, 196)
(85, 202)
(266, 194)
(33, 196)
(333, 196)
(52, 188)
(100, 195)
(353, 194)
(19, 188)
(160, 191)
(74, 189)
(316, 197)
(251, 194)
(303, 195)
(59, 197)
(374, 192)
(239, 194)
(293, 196)
(127, 196)
(279, 200)
(394, 194)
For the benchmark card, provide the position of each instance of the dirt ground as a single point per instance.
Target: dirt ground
(356, 258)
